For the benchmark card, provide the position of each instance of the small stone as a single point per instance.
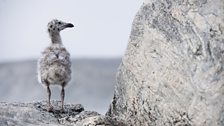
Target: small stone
(78, 108)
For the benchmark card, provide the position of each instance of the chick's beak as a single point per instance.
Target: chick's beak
(69, 25)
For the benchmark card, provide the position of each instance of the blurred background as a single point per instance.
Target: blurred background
(96, 44)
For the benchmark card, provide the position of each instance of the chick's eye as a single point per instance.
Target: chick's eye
(59, 23)
(51, 26)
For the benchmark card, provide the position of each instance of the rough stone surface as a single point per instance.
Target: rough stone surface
(35, 114)
(173, 69)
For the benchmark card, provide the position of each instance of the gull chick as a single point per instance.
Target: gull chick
(54, 65)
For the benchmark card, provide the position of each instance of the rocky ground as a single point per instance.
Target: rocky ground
(33, 114)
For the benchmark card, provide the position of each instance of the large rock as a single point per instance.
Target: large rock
(173, 69)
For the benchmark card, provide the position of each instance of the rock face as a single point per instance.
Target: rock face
(35, 114)
(173, 69)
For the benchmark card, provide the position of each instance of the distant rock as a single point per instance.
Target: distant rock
(33, 114)
(173, 69)
(99, 86)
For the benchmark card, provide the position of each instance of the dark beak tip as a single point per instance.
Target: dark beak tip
(70, 25)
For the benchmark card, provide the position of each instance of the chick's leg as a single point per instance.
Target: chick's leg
(50, 107)
(62, 98)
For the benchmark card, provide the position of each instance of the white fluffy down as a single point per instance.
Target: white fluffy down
(54, 66)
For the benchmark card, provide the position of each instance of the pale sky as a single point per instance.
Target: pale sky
(102, 27)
